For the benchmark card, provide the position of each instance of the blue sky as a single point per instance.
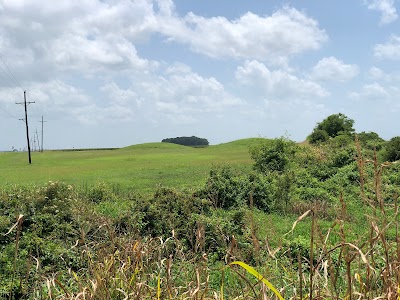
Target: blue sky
(112, 73)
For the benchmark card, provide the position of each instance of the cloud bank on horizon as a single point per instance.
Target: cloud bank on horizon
(110, 73)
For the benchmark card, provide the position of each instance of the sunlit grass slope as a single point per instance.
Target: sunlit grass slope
(139, 167)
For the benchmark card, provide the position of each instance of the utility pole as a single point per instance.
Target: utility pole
(26, 123)
(36, 140)
(42, 132)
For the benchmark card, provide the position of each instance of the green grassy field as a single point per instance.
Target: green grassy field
(139, 167)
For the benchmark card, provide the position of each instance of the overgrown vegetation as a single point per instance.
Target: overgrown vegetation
(66, 242)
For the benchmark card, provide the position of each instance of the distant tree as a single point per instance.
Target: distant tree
(318, 136)
(334, 125)
(370, 140)
(392, 149)
(192, 141)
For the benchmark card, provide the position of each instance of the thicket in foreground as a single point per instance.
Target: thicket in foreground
(178, 244)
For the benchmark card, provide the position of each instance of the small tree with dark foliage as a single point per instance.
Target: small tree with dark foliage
(334, 125)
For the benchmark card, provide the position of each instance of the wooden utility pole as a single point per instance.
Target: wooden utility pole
(26, 123)
(42, 133)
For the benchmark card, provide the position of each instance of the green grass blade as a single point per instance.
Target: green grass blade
(253, 272)
(159, 287)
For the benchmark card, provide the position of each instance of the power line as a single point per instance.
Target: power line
(13, 79)
(36, 110)
(12, 75)
(11, 115)
(12, 88)
(3, 109)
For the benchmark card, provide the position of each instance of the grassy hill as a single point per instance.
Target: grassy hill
(139, 167)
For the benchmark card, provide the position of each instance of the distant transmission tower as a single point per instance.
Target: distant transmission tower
(41, 150)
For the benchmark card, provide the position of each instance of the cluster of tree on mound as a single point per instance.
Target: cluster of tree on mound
(193, 141)
(339, 127)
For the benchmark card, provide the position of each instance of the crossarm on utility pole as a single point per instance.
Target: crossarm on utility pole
(26, 124)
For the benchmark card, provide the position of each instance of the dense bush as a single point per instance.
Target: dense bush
(169, 212)
(392, 149)
(370, 140)
(343, 157)
(217, 230)
(51, 226)
(227, 188)
(318, 136)
(101, 192)
(263, 191)
(273, 155)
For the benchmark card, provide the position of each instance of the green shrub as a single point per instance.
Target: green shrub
(343, 157)
(295, 247)
(226, 188)
(392, 149)
(322, 171)
(370, 140)
(309, 188)
(273, 155)
(341, 141)
(221, 228)
(49, 230)
(101, 192)
(263, 190)
(318, 136)
(168, 212)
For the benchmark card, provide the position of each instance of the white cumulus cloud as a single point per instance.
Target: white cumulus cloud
(390, 50)
(102, 36)
(271, 38)
(63, 101)
(373, 91)
(332, 69)
(386, 7)
(278, 85)
(88, 37)
(183, 92)
(377, 74)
